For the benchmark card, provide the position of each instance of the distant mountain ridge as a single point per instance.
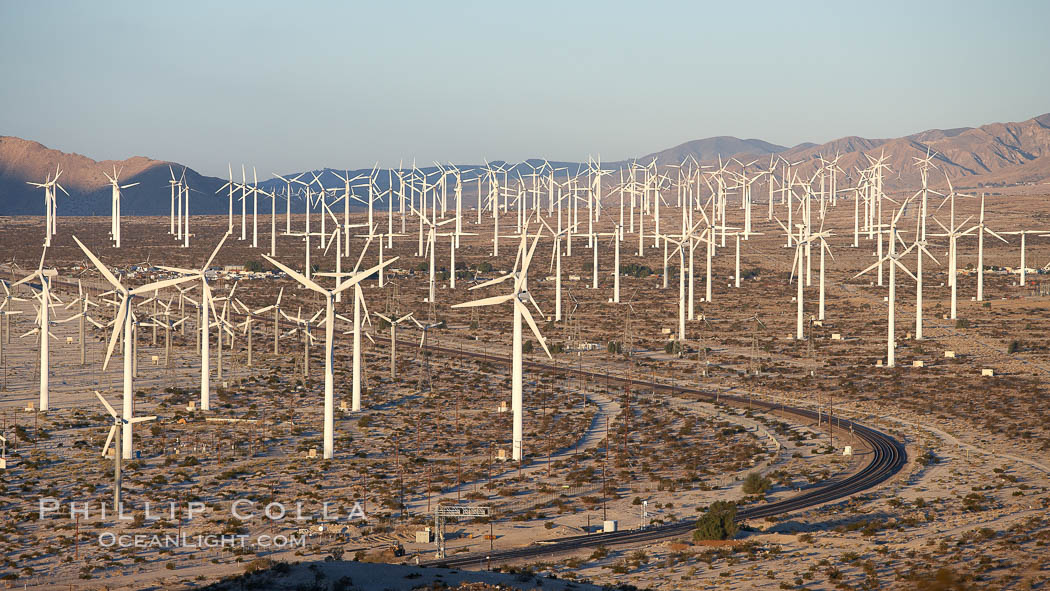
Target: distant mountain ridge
(993, 154)
(710, 149)
(89, 190)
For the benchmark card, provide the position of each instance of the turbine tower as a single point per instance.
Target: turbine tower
(329, 373)
(123, 328)
(518, 296)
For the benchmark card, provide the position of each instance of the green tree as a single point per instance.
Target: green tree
(717, 523)
(755, 484)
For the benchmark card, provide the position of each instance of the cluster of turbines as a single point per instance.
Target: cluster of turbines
(715, 203)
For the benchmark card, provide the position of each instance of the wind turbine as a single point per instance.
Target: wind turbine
(276, 307)
(329, 374)
(953, 233)
(84, 302)
(680, 251)
(43, 324)
(347, 196)
(981, 228)
(204, 328)
(1024, 264)
(893, 258)
(50, 203)
(229, 186)
(518, 296)
(185, 190)
(288, 196)
(114, 231)
(797, 271)
(176, 227)
(393, 320)
(5, 317)
(556, 263)
(920, 246)
(169, 325)
(123, 327)
(119, 423)
(431, 249)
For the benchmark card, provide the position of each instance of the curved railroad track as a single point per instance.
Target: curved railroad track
(888, 456)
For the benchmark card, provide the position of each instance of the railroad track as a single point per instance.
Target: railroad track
(887, 458)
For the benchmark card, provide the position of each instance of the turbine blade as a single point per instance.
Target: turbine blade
(98, 264)
(532, 324)
(112, 433)
(492, 301)
(118, 326)
(295, 275)
(105, 403)
(163, 284)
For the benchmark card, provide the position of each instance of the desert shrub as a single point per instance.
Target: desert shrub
(755, 483)
(717, 523)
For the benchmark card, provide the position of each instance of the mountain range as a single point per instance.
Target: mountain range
(996, 154)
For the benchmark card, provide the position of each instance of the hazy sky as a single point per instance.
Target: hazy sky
(287, 86)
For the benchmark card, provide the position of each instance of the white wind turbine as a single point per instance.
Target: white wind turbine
(953, 232)
(185, 190)
(166, 321)
(393, 320)
(329, 374)
(347, 196)
(359, 307)
(123, 328)
(204, 327)
(276, 307)
(181, 207)
(302, 328)
(5, 316)
(797, 271)
(981, 228)
(288, 197)
(176, 211)
(920, 250)
(682, 245)
(43, 325)
(431, 249)
(594, 254)
(1024, 264)
(50, 203)
(255, 208)
(119, 423)
(802, 243)
(83, 303)
(229, 186)
(556, 264)
(114, 230)
(893, 259)
(518, 296)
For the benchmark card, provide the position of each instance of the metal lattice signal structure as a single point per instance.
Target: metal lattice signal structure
(443, 512)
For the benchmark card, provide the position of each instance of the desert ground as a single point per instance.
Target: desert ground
(969, 509)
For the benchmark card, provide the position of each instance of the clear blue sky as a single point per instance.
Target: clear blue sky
(287, 86)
